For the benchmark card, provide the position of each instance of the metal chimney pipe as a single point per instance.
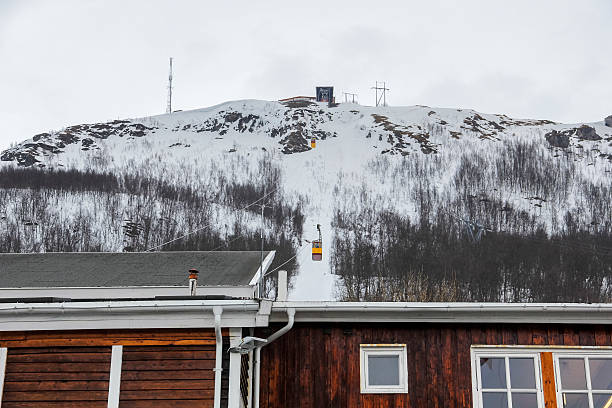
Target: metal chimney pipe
(193, 281)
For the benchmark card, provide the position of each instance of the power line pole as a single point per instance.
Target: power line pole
(383, 95)
(169, 106)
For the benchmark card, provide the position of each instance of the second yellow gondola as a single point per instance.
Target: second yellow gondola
(317, 247)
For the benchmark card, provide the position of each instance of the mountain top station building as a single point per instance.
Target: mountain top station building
(185, 329)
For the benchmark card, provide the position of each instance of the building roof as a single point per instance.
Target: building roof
(106, 269)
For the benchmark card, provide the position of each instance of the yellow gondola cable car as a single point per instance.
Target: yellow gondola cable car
(317, 247)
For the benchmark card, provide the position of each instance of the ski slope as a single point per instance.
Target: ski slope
(360, 150)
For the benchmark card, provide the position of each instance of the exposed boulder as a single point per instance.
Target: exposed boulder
(608, 121)
(558, 139)
(585, 132)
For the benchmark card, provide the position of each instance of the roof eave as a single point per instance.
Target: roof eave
(384, 312)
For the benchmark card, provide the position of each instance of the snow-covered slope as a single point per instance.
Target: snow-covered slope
(382, 152)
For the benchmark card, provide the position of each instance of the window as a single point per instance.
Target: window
(507, 380)
(584, 381)
(383, 368)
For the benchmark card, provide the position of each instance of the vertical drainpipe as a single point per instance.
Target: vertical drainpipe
(257, 362)
(217, 311)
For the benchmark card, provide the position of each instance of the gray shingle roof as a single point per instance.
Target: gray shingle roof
(105, 269)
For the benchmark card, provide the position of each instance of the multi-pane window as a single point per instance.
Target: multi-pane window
(383, 368)
(584, 381)
(508, 380)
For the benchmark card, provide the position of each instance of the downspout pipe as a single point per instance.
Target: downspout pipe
(217, 311)
(257, 363)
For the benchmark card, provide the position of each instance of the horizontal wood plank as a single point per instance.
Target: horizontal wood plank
(130, 355)
(157, 365)
(121, 333)
(166, 394)
(87, 338)
(54, 404)
(167, 375)
(149, 349)
(61, 385)
(66, 357)
(56, 376)
(55, 396)
(53, 350)
(170, 384)
(57, 367)
(199, 403)
(105, 342)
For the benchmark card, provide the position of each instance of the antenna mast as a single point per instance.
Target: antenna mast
(169, 106)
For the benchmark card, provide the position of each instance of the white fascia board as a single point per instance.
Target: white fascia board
(266, 264)
(125, 315)
(444, 312)
(124, 292)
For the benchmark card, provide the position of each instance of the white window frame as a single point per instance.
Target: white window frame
(399, 350)
(577, 355)
(479, 353)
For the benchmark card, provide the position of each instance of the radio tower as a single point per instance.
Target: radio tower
(169, 107)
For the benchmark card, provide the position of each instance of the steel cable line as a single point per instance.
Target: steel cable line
(211, 223)
(288, 260)
(603, 251)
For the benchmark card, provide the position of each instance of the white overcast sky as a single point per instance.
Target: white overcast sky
(65, 62)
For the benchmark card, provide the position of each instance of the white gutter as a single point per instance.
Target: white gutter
(445, 312)
(217, 311)
(257, 358)
(108, 315)
(129, 306)
(463, 306)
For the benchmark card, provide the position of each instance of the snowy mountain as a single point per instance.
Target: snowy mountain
(487, 171)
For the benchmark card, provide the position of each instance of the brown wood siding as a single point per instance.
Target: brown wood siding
(57, 377)
(84, 338)
(317, 365)
(169, 376)
(160, 368)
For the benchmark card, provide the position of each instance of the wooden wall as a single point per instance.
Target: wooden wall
(317, 365)
(169, 377)
(56, 377)
(160, 368)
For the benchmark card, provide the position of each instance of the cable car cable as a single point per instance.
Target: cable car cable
(211, 223)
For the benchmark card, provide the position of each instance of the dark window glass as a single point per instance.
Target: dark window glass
(524, 400)
(522, 373)
(601, 373)
(602, 400)
(494, 400)
(575, 401)
(493, 372)
(572, 374)
(383, 370)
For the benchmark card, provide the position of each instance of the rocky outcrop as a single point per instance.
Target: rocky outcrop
(585, 132)
(558, 139)
(608, 121)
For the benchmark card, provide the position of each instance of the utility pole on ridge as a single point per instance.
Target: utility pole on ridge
(383, 94)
